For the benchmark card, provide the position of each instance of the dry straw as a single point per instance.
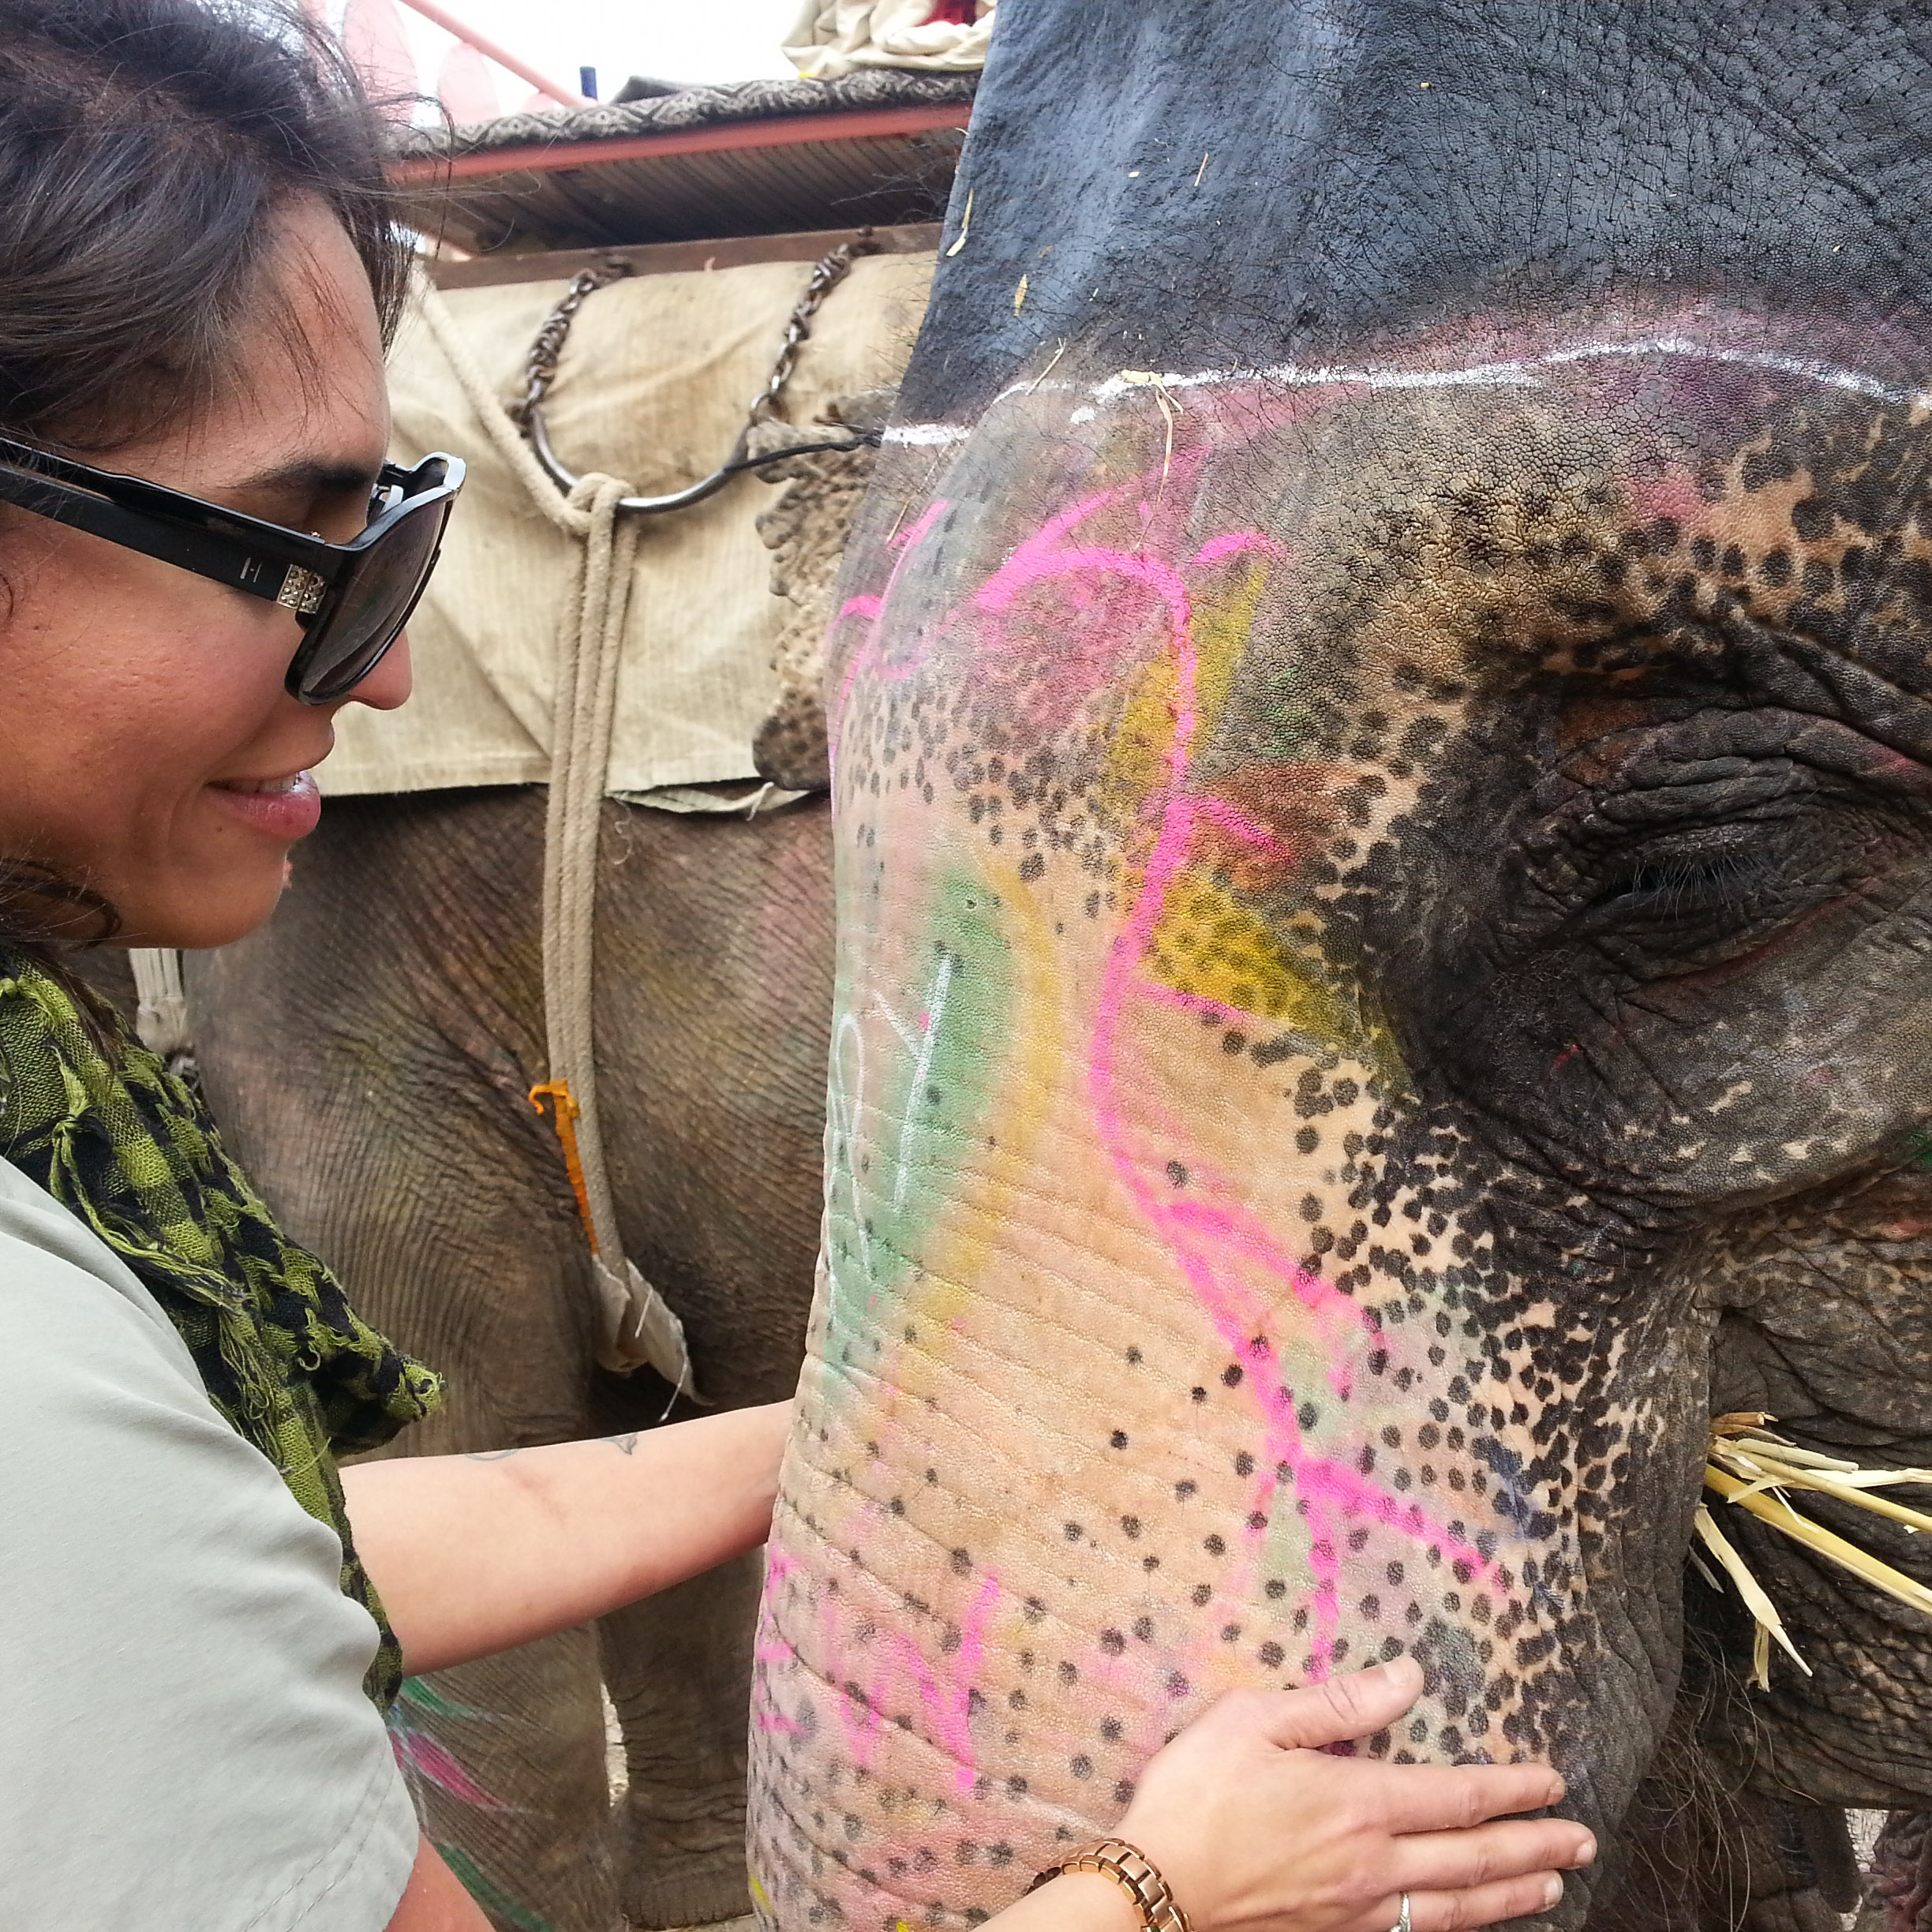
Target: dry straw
(1752, 1467)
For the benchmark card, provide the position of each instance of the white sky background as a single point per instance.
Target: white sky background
(669, 39)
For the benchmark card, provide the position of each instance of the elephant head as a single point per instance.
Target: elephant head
(1382, 715)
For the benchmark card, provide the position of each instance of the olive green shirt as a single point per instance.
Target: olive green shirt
(184, 1743)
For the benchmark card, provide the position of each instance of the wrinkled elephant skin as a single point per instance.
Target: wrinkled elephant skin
(1383, 901)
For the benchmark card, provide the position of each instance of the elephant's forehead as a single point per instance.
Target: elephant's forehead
(1455, 521)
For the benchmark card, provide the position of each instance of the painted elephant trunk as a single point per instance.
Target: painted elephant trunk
(1379, 834)
(1118, 1399)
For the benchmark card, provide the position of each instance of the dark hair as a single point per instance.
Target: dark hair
(147, 148)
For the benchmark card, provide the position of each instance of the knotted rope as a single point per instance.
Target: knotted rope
(161, 1019)
(636, 1325)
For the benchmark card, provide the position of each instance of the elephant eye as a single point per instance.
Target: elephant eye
(1713, 871)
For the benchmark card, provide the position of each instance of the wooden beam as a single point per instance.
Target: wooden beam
(782, 131)
(673, 257)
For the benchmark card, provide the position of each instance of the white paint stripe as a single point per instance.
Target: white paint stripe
(935, 1011)
(907, 1039)
(1515, 375)
(926, 435)
(845, 1100)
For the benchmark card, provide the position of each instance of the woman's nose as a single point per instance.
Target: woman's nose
(389, 684)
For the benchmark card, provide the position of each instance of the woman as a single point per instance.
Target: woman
(203, 558)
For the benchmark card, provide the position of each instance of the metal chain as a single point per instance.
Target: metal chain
(546, 350)
(827, 273)
(541, 371)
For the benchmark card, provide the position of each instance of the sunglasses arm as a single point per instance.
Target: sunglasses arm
(243, 560)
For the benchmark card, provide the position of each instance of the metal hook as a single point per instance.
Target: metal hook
(545, 352)
(642, 506)
(733, 465)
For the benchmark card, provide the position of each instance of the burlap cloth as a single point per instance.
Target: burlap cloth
(653, 386)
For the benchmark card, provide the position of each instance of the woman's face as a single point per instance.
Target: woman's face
(148, 749)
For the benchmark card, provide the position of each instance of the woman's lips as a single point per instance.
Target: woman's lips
(283, 809)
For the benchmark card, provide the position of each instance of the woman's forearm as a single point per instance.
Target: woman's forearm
(473, 1554)
(1074, 1902)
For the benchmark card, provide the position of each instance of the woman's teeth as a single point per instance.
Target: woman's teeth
(264, 784)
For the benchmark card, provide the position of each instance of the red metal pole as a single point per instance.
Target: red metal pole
(449, 23)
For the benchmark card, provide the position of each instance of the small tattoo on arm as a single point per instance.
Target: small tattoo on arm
(490, 1455)
(627, 1443)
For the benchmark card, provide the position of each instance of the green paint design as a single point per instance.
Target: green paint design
(424, 1695)
(905, 1119)
(488, 1894)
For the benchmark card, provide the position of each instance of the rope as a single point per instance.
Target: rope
(635, 1324)
(161, 1015)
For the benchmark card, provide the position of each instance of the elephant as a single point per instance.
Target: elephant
(1382, 741)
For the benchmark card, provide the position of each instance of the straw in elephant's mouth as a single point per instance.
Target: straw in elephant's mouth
(1753, 1467)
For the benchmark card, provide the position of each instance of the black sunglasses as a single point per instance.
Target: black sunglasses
(351, 600)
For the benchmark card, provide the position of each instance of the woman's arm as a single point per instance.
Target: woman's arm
(434, 1900)
(473, 1554)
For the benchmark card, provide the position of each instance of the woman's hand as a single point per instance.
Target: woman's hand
(1257, 1831)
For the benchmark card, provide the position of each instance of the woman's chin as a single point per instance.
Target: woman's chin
(212, 911)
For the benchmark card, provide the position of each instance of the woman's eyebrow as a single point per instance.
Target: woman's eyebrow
(313, 475)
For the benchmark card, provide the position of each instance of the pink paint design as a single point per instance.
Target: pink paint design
(870, 655)
(770, 1648)
(416, 1751)
(1226, 817)
(1235, 543)
(944, 1693)
(948, 1702)
(1233, 1265)
(1217, 1010)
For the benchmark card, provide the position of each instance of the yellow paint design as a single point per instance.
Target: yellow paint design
(1142, 740)
(1208, 944)
(1138, 752)
(1221, 629)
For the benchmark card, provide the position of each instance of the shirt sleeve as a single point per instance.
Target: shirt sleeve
(187, 1745)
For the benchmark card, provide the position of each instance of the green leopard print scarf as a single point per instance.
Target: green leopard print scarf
(124, 1143)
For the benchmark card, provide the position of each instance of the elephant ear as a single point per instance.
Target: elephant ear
(805, 531)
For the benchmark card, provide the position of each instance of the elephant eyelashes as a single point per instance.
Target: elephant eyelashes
(1685, 869)
(1725, 870)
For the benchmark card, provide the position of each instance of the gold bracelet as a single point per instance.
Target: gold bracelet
(1135, 1872)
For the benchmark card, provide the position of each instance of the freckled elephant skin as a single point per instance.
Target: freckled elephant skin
(368, 1054)
(1383, 827)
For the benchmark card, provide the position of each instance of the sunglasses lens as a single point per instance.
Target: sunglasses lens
(371, 607)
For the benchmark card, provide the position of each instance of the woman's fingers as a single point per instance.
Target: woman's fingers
(1462, 1861)
(1354, 1705)
(1432, 1798)
(1525, 1897)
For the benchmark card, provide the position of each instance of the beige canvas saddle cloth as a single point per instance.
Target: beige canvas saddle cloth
(652, 386)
